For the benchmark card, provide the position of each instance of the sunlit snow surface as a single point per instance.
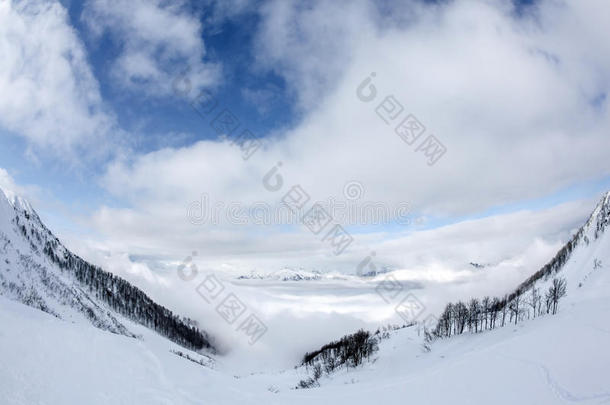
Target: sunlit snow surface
(550, 360)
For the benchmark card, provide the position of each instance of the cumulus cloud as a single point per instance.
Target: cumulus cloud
(309, 45)
(48, 93)
(158, 41)
(508, 95)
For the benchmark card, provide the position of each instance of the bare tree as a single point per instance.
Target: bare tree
(474, 308)
(515, 307)
(485, 308)
(493, 315)
(445, 322)
(534, 299)
(556, 291)
(461, 316)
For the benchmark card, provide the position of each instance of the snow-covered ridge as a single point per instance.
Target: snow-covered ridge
(591, 231)
(285, 274)
(290, 274)
(37, 270)
(19, 203)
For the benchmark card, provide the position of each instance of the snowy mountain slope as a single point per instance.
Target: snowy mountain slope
(582, 256)
(546, 360)
(563, 358)
(37, 270)
(551, 360)
(576, 259)
(565, 345)
(47, 360)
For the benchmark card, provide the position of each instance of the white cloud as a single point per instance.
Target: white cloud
(508, 97)
(8, 185)
(312, 44)
(264, 98)
(48, 93)
(158, 40)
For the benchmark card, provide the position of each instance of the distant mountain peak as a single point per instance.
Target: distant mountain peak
(15, 200)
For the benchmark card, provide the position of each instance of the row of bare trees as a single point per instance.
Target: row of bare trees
(478, 315)
(349, 351)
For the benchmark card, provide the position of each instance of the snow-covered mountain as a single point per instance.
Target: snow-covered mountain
(37, 270)
(585, 254)
(549, 359)
(284, 274)
(300, 274)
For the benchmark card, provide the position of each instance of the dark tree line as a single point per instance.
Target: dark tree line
(208, 362)
(478, 315)
(115, 292)
(349, 351)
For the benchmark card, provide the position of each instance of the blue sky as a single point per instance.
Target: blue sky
(155, 123)
(94, 134)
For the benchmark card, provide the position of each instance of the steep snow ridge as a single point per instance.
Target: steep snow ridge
(593, 244)
(587, 268)
(37, 270)
(28, 276)
(577, 256)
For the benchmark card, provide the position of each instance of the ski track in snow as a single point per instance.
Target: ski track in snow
(555, 387)
(566, 395)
